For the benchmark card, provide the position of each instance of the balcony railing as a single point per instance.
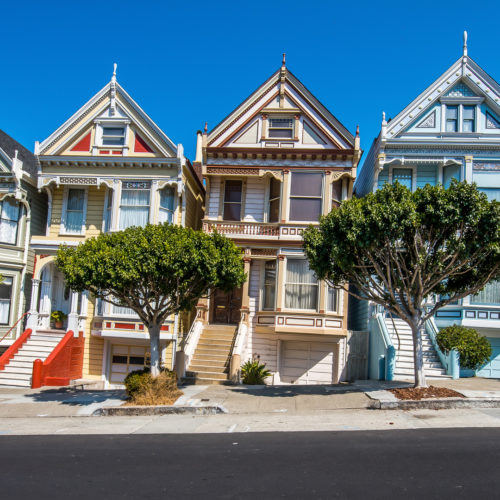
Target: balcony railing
(242, 229)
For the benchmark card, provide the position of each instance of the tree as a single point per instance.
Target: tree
(156, 270)
(400, 249)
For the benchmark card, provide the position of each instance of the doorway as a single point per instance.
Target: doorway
(226, 307)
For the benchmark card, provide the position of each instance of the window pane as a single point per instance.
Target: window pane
(75, 199)
(468, 126)
(305, 209)
(281, 122)
(301, 296)
(10, 210)
(468, 112)
(297, 271)
(269, 284)
(280, 133)
(304, 184)
(337, 190)
(452, 112)
(6, 288)
(450, 172)
(131, 216)
(491, 193)
(135, 197)
(451, 125)
(74, 222)
(490, 294)
(232, 211)
(232, 192)
(332, 299)
(403, 176)
(274, 210)
(167, 198)
(5, 296)
(274, 188)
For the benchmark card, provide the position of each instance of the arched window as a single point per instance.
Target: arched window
(10, 213)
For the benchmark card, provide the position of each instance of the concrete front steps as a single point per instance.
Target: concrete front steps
(404, 355)
(210, 362)
(18, 371)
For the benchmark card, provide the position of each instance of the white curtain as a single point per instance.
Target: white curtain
(301, 287)
(134, 208)
(123, 311)
(8, 221)
(166, 205)
(490, 294)
(74, 211)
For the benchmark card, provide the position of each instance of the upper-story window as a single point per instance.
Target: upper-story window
(5, 299)
(10, 212)
(404, 176)
(269, 292)
(273, 213)
(166, 205)
(332, 299)
(134, 204)
(232, 200)
(301, 286)
(74, 213)
(280, 128)
(113, 136)
(460, 118)
(489, 295)
(306, 196)
(336, 193)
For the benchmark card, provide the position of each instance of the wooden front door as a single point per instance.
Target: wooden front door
(226, 307)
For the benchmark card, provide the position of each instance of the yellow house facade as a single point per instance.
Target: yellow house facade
(107, 168)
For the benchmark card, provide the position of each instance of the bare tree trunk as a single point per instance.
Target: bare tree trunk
(154, 338)
(418, 353)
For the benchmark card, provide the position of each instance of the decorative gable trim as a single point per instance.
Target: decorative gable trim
(491, 121)
(429, 121)
(83, 145)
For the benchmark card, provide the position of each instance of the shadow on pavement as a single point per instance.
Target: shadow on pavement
(71, 396)
(290, 391)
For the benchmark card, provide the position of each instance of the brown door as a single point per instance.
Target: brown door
(226, 306)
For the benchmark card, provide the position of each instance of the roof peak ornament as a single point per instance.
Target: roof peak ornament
(283, 62)
(384, 126)
(113, 78)
(206, 127)
(112, 110)
(465, 44)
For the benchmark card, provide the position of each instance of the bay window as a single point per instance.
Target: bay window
(336, 193)
(269, 295)
(134, 204)
(301, 286)
(108, 211)
(166, 205)
(5, 299)
(10, 213)
(232, 200)
(273, 214)
(305, 196)
(332, 299)
(74, 213)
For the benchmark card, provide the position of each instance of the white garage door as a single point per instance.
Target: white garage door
(125, 359)
(306, 363)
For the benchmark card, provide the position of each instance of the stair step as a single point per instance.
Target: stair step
(216, 363)
(221, 328)
(20, 364)
(28, 348)
(221, 344)
(212, 351)
(51, 337)
(42, 343)
(11, 375)
(50, 331)
(15, 382)
(17, 369)
(204, 368)
(28, 358)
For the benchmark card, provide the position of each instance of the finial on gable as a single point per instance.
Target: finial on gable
(465, 44)
(113, 78)
(206, 127)
(283, 63)
(357, 130)
(383, 118)
(113, 91)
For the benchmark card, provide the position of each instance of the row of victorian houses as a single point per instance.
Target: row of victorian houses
(273, 166)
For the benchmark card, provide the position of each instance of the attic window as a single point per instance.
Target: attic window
(280, 128)
(113, 136)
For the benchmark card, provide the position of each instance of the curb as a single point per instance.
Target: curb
(434, 404)
(131, 411)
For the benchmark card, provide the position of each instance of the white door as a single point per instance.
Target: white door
(306, 363)
(126, 359)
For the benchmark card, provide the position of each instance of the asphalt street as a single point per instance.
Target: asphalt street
(435, 463)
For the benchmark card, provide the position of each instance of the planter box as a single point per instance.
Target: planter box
(467, 372)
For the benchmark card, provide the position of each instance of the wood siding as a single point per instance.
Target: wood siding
(213, 198)
(255, 199)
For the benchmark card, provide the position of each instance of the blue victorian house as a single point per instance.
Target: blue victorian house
(450, 131)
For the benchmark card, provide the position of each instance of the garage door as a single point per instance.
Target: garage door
(126, 359)
(492, 369)
(306, 363)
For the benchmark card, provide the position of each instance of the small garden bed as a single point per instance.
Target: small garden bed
(146, 390)
(416, 394)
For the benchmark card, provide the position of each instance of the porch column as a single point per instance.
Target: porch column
(33, 312)
(245, 298)
(73, 315)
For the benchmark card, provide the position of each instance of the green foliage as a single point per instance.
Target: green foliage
(474, 350)
(58, 316)
(156, 270)
(254, 372)
(431, 241)
(144, 389)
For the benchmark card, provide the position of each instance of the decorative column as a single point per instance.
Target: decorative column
(245, 298)
(73, 315)
(285, 196)
(33, 312)
(280, 283)
(468, 168)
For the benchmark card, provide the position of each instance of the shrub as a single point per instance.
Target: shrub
(474, 350)
(144, 389)
(254, 373)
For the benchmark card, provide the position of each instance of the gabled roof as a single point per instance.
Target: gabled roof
(8, 146)
(463, 70)
(250, 106)
(113, 90)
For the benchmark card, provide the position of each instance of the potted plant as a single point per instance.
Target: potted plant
(58, 317)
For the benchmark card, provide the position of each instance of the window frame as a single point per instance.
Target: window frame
(64, 215)
(102, 124)
(413, 168)
(263, 285)
(123, 182)
(224, 202)
(285, 283)
(460, 103)
(337, 292)
(20, 214)
(270, 200)
(291, 197)
(270, 128)
(12, 291)
(161, 209)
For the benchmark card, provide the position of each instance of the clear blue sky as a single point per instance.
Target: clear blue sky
(186, 62)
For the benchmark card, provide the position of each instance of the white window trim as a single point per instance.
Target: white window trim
(117, 200)
(290, 196)
(267, 201)
(105, 214)
(14, 293)
(413, 168)
(318, 284)
(62, 229)
(112, 123)
(262, 286)
(457, 101)
(20, 219)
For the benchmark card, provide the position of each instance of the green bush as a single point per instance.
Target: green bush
(474, 350)
(144, 389)
(254, 373)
